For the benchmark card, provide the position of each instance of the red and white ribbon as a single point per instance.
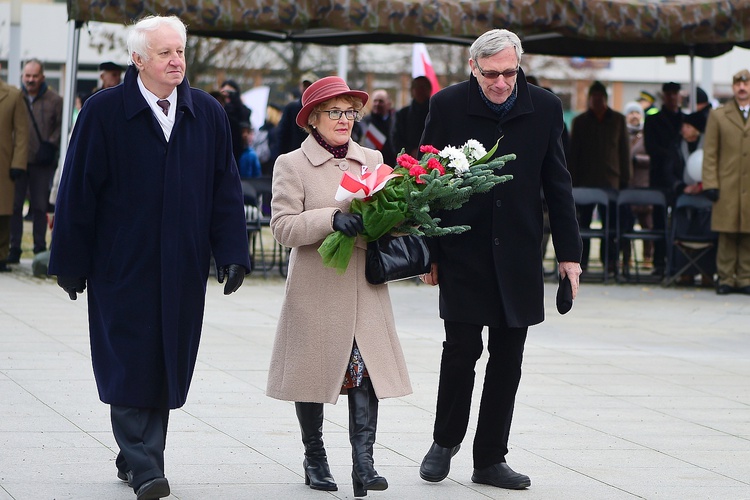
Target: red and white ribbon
(370, 182)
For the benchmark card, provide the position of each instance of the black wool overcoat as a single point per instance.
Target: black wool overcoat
(139, 217)
(492, 275)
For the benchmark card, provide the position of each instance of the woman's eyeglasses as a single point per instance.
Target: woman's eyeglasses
(335, 114)
(494, 75)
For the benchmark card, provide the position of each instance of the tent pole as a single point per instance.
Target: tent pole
(692, 80)
(14, 54)
(71, 76)
(707, 78)
(343, 61)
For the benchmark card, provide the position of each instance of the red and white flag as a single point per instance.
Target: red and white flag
(374, 138)
(421, 65)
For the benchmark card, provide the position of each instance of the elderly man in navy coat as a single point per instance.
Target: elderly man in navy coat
(492, 275)
(149, 190)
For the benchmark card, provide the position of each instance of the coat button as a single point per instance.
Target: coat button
(497, 241)
(498, 203)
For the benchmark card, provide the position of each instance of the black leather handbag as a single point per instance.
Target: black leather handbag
(392, 258)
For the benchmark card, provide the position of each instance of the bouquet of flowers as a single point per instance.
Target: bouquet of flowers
(400, 200)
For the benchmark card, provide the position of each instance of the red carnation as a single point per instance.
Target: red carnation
(417, 170)
(434, 164)
(428, 149)
(406, 161)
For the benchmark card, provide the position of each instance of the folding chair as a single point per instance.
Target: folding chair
(627, 198)
(279, 254)
(693, 243)
(596, 197)
(253, 224)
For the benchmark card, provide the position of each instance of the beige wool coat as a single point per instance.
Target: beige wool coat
(14, 136)
(324, 313)
(726, 167)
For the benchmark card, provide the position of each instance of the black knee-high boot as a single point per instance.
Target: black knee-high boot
(363, 422)
(317, 473)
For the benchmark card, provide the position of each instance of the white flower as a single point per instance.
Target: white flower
(456, 159)
(474, 150)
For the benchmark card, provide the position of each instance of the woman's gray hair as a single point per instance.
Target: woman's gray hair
(494, 41)
(138, 36)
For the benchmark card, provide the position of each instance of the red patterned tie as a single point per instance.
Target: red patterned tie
(164, 105)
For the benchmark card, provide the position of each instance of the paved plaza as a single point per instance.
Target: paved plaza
(638, 392)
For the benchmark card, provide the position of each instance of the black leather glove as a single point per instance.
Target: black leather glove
(235, 275)
(16, 173)
(711, 194)
(349, 224)
(72, 285)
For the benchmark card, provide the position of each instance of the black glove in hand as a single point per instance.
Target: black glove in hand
(235, 275)
(72, 285)
(16, 173)
(711, 194)
(349, 224)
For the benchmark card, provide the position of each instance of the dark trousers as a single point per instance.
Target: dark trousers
(141, 434)
(37, 182)
(461, 350)
(4, 237)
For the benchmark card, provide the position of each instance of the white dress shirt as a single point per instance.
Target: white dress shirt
(166, 121)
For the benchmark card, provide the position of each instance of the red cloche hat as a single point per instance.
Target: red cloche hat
(323, 90)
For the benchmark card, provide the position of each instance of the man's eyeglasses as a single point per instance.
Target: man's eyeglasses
(494, 75)
(335, 114)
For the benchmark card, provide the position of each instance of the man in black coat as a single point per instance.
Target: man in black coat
(661, 136)
(377, 126)
(287, 135)
(237, 113)
(409, 124)
(492, 274)
(149, 191)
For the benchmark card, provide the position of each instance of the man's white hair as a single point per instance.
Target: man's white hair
(138, 36)
(494, 41)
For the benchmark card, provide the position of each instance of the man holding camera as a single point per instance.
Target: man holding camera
(45, 121)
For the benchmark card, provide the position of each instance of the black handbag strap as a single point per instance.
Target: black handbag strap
(33, 120)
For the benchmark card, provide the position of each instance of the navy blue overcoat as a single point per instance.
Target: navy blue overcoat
(139, 217)
(492, 275)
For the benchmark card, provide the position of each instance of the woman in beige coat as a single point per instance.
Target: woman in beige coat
(336, 333)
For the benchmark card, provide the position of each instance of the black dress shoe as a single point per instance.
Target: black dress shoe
(502, 476)
(724, 290)
(14, 256)
(743, 290)
(125, 476)
(153, 489)
(437, 463)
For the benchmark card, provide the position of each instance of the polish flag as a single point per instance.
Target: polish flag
(374, 138)
(421, 65)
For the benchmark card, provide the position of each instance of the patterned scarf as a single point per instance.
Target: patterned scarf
(336, 151)
(501, 109)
